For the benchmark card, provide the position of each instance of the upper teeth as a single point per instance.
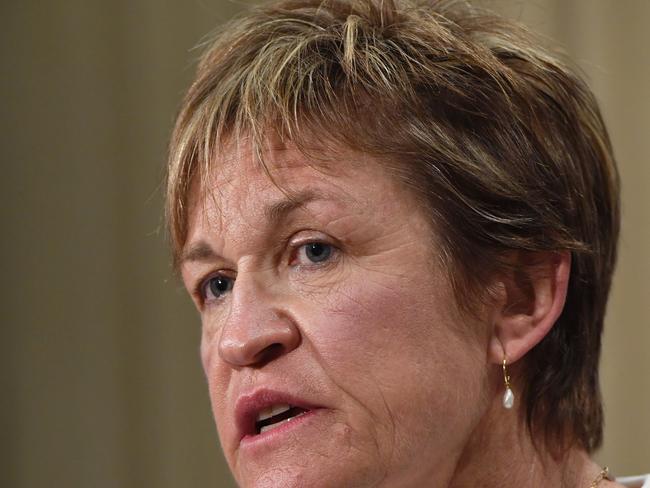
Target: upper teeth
(272, 411)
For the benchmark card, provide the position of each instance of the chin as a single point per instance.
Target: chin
(309, 473)
(313, 453)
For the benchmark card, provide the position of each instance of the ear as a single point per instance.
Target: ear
(531, 299)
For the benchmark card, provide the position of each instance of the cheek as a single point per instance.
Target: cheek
(374, 322)
(218, 380)
(398, 351)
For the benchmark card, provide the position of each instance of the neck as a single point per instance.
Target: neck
(500, 453)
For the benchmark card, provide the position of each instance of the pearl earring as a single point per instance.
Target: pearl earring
(508, 396)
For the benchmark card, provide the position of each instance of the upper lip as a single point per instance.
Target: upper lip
(249, 405)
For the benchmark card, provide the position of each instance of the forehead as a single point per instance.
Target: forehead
(240, 182)
(279, 168)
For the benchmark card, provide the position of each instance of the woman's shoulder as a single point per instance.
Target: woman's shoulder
(642, 481)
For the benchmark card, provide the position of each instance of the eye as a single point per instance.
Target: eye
(314, 253)
(215, 287)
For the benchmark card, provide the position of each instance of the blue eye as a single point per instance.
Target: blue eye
(216, 286)
(317, 252)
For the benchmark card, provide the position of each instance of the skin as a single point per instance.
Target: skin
(410, 387)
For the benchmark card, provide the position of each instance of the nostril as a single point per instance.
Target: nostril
(269, 353)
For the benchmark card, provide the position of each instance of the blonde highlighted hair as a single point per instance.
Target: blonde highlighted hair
(502, 141)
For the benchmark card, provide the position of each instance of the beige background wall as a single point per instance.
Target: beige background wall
(101, 384)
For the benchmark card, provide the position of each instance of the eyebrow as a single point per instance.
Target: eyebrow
(279, 210)
(274, 213)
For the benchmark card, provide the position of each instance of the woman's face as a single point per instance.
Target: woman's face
(324, 308)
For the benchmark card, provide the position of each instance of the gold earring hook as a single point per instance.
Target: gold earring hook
(506, 378)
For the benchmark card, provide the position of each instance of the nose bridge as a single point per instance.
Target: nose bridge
(257, 329)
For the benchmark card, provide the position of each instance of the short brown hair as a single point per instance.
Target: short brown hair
(502, 140)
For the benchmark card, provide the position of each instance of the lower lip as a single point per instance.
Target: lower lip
(269, 437)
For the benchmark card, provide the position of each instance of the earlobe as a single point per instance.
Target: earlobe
(531, 299)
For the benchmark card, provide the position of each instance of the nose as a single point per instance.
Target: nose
(257, 329)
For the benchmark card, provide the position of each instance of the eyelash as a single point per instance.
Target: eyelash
(202, 288)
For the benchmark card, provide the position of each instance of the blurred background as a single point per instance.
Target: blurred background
(101, 381)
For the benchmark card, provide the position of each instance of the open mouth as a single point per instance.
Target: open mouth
(276, 415)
